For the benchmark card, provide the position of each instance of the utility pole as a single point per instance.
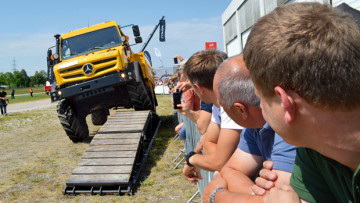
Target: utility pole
(14, 65)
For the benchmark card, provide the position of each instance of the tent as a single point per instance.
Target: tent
(353, 12)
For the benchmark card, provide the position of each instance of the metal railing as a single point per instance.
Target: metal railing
(192, 138)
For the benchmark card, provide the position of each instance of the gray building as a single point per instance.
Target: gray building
(241, 15)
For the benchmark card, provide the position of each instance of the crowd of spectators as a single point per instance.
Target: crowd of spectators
(280, 121)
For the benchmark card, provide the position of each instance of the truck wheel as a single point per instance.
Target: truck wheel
(99, 117)
(139, 96)
(74, 125)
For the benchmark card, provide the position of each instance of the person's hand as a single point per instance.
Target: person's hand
(179, 57)
(266, 179)
(283, 193)
(192, 173)
(178, 128)
(200, 145)
(184, 86)
(217, 182)
(184, 109)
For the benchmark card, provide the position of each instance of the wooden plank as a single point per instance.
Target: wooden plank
(114, 154)
(121, 128)
(102, 170)
(132, 112)
(126, 122)
(106, 162)
(117, 135)
(114, 141)
(99, 179)
(104, 148)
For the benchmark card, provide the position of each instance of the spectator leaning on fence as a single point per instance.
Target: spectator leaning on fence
(304, 59)
(235, 93)
(201, 118)
(223, 134)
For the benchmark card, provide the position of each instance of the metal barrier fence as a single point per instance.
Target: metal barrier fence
(192, 137)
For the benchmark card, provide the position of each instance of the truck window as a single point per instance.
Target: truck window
(90, 42)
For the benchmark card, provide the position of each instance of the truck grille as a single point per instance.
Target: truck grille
(97, 69)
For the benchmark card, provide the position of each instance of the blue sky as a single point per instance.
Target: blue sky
(27, 27)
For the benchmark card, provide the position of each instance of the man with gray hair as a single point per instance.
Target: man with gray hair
(234, 90)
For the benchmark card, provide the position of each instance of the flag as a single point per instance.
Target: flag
(158, 54)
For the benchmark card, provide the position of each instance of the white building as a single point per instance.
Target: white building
(241, 15)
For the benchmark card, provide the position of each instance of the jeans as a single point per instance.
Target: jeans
(3, 107)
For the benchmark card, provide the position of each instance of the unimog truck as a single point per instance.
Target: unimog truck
(93, 70)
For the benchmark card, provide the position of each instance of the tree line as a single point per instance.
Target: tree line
(20, 78)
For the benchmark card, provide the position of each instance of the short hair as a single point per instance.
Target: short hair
(309, 48)
(235, 85)
(201, 67)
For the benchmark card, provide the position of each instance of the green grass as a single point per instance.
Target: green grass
(23, 95)
(38, 158)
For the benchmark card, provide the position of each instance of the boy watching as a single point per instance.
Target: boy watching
(304, 59)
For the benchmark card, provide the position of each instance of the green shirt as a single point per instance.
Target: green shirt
(316, 178)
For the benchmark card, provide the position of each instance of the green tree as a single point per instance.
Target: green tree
(39, 78)
(9, 78)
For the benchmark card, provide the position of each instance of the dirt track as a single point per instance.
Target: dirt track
(40, 104)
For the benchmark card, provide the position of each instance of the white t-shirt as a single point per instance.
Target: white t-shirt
(220, 117)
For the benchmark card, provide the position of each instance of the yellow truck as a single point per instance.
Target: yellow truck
(94, 69)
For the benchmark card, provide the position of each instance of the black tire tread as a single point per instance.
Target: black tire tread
(139, 96)
(74, 125)
(99, 117)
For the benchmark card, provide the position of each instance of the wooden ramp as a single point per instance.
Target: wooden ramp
(113, 160)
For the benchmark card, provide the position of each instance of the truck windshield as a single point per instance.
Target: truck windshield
(89, 42)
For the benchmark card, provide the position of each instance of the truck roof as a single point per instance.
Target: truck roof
(89, 29)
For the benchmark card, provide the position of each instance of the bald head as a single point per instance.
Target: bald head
(234, 83)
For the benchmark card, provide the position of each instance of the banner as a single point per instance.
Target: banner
(162, 30)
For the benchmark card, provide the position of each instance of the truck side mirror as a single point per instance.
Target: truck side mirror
(138, 40)
(136, 30)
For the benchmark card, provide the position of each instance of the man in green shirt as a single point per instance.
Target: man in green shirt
(304, 60)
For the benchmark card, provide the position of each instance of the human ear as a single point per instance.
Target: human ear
(201, 89)
(242, 110)
(287, 103)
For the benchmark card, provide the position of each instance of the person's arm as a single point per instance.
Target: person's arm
(240, 170)
(209, 146)
(203, 121)
(238, 174)
(225, 147)
(224, 195)
(211, 138)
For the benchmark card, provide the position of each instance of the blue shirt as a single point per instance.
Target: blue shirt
(206, 107)
(269, 145)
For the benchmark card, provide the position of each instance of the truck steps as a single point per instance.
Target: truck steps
(113, 161)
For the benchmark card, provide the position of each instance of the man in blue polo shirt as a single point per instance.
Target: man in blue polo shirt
(235, 93)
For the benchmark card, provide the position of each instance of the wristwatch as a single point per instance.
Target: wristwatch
(187, 157)
(212, 197)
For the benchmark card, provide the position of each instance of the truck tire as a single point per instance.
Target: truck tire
(99, 117)
(139, 96)
(74, 125)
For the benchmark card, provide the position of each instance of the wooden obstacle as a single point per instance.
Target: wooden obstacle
(113, 161)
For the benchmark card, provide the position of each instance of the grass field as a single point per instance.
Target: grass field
(23, 95)
(38, 158)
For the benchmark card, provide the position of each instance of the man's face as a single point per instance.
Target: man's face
(274, 114)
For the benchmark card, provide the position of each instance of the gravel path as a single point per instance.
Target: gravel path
(28, 106)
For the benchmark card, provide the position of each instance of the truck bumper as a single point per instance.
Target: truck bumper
(94, 87)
